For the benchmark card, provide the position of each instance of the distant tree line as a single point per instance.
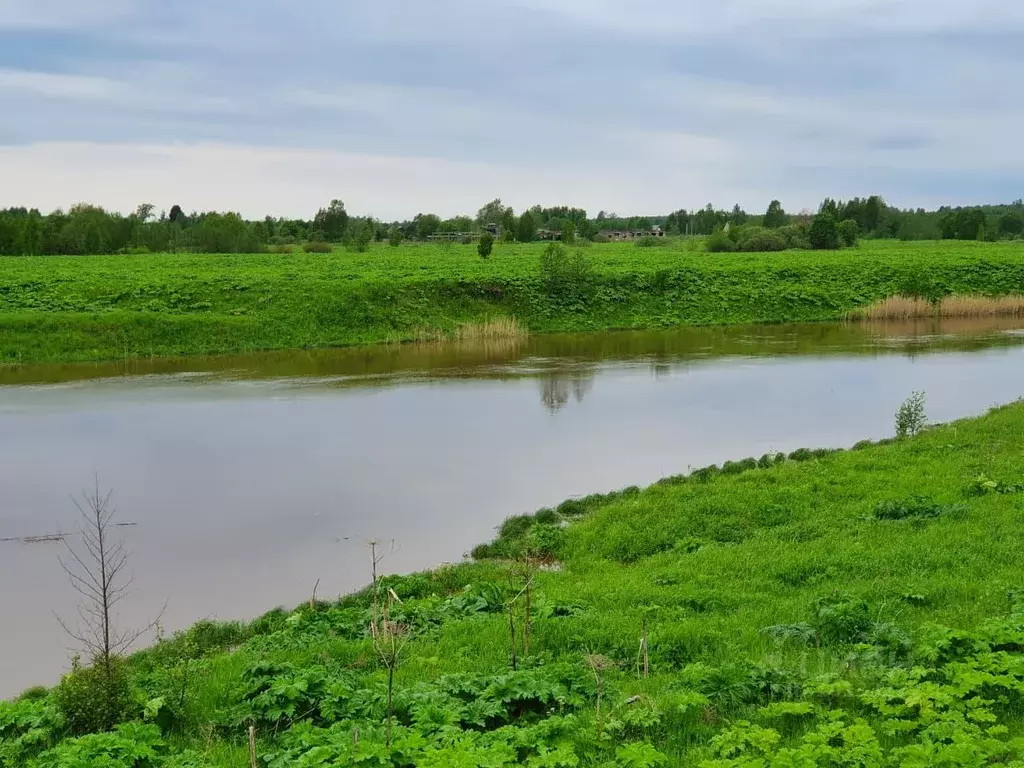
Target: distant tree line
(89, 229)
(872, 215)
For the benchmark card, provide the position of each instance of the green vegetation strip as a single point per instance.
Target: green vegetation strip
(826, 608)
(86, 308)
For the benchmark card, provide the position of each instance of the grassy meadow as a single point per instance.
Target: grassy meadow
(89, 308)
(829, 608)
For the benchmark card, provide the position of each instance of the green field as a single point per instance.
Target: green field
(111, 307)
(854, 608)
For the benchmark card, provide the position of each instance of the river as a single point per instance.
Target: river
(246, 479)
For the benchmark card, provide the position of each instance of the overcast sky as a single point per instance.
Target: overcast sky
(400, 106)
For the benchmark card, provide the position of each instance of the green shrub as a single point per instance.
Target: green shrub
(917, 507)
(849, 231)
(841, 618)
(486, 245)
(395, 237)
(566, 274)
(317, 246)
(759, 240)
(984, 485)
(94, 699)
(35, 693)
(795, 236)
(131, 745)
(269, 622)
(360, 237)
(545, 541)
(823, 234)
(720, 242)
(911, 418)
(282, 249)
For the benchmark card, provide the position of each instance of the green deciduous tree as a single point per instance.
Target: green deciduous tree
(492, 213)
(849, 230)
(486, 245)
(1011, 224)
(332, 221)
(527, 230)
(427, 224)
(360, 235)
(829, 207)
(823, 234)
(509, 225)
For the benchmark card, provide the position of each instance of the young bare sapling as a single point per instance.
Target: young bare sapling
(390, 637)
(97, 569)
(598, 666)
(375, 560)
(312, 598)
(512, 628)
(520, 577)
(643, 661)
(529, 573)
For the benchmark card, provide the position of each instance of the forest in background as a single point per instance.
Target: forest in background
(90, 229)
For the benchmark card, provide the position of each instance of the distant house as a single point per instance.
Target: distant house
(620, 235)
(461, 237)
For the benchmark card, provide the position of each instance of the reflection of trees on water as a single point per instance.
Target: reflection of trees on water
(558, 387)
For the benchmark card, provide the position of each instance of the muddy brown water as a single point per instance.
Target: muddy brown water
(248, 478)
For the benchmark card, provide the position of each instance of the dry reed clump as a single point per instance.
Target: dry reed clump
(981, 306)
(910, 308)
(494, 328)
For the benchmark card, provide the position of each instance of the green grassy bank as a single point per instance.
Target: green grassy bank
(59, 309)
(855, 608)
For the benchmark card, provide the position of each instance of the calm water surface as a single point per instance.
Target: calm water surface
(249, 478)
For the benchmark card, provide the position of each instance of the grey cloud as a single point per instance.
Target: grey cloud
(736, 98)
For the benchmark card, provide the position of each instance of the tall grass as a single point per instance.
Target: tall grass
(955, 306)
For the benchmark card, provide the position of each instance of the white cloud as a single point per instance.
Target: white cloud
(58, 86)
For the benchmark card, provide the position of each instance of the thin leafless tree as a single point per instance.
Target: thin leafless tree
(97, 569)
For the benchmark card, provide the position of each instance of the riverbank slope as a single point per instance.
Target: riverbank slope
(855, 607)
(91, 308)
